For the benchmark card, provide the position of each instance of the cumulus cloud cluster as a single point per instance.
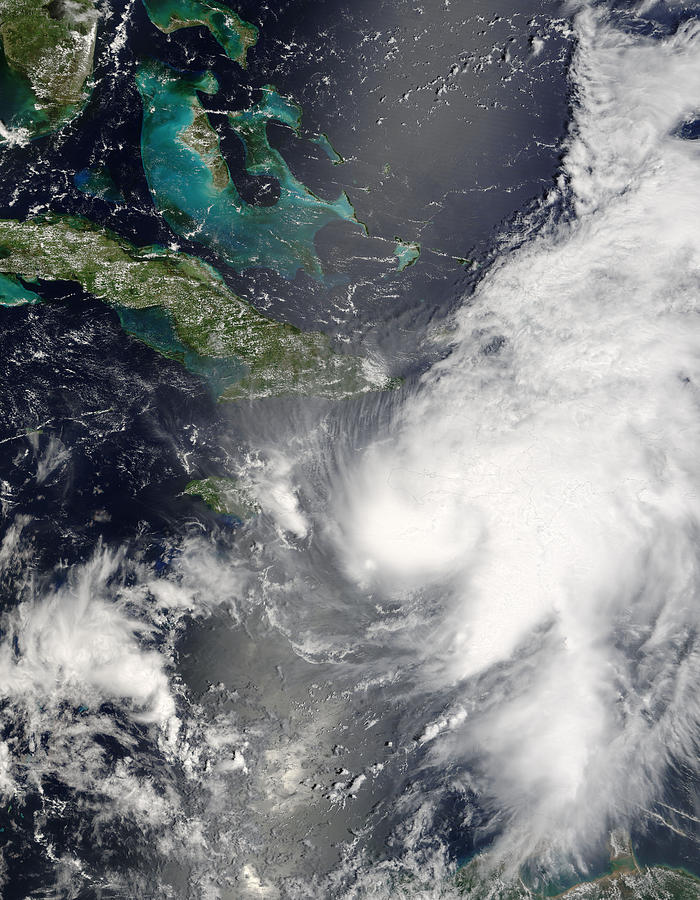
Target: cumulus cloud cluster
(93, 723)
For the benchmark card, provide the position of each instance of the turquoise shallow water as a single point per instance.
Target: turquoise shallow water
(14, 293)
(152, 326)
(279, 237)
(407, 254)
(98, 182)
(225, 26)
(17, 101)
(324, 143)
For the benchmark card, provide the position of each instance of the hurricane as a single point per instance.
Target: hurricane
(532, 501)
(460, 627)
(539, 485)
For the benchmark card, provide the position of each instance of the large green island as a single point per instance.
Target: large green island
(180, 306)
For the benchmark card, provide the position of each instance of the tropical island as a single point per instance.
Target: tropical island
(180, 306)
(191, 183)
(224, 496)
(234, 34)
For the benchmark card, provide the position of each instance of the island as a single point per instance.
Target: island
(224, 496)
(234, 34)
(192, 187)
(324, 142)
(180, 306)
(407, 253)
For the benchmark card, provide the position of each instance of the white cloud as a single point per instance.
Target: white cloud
(548, 493)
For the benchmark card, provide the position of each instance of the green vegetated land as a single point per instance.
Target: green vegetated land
(174, 302)
(224, 496)
(626, 879)
(198, 319)
(47, 58)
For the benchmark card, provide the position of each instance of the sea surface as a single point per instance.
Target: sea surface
(464, 621)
